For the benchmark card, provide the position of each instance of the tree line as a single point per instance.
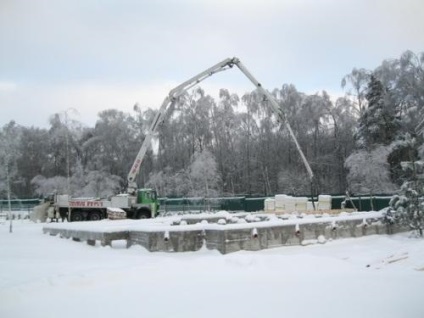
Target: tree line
(232, 144)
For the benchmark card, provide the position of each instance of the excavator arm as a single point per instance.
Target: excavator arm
(181, 89)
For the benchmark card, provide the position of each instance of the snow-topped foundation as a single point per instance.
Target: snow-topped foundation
(225, 232)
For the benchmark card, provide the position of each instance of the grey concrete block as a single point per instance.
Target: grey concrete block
(167, 241)
(91, 242)
(105, 238)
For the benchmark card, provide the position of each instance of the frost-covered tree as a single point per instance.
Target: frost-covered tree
(34, 158)
(378, 127)
(83, 183)
(369, 171)
(204, 175)
(43, 186)
(407, 208)
(420, 131)
(404, 77)
(100, 184)
(93, 183)
(9, 143)
(293, 183)
(225, 128)
(378, 124)
(63, 145)
(344, 122)
(168, 183)
(113, 144)
(357, 80)
(196, 117)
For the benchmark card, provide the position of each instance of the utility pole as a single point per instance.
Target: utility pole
(67, 165)
(8, 196)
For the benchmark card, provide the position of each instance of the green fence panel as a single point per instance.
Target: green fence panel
(233, 203)
(381, 202)
(254, 204)
(19, 204)
(172, 205)
(194, 204)
(336, 202)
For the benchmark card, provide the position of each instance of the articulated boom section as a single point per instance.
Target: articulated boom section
(182, 88)
(280, 114)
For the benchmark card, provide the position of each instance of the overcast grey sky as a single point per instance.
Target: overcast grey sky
(92, 55)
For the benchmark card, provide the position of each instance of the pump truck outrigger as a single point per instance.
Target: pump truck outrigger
(143, 203)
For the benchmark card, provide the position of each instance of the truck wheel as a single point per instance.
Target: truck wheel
(77, 216)
(144, 214)
(95, 216)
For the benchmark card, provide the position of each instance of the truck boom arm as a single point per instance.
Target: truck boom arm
(280, 114)
(181, 89)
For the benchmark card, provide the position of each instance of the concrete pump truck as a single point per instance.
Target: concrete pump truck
(143, 203)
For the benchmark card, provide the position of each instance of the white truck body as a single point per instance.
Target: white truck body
(122, 201)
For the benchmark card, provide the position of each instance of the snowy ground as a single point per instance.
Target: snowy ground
(44, 276)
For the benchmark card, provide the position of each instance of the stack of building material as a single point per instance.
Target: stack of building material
(269, 205)
(301, 203)
(290, 203)
(287, 203)
(280, 202)
(310, 206)
(324, 202)
(116, 214)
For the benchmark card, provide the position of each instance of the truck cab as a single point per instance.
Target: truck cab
(147, 204)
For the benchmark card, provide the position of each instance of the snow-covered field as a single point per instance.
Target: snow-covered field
(44, 276)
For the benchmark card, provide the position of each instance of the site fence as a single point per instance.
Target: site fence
(255, 204)
(23, 205)
(236, 203)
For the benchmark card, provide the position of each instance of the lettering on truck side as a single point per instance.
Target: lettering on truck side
(136, 166)
(86, 204)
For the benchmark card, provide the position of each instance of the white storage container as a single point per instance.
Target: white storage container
(290, 204)
(301, 203)
(269, 205)
(324, 202)
(280, 201)
(324, 198)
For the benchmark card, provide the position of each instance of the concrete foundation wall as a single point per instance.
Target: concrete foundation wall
(90, 237)
(228, 239)
(181, 241)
